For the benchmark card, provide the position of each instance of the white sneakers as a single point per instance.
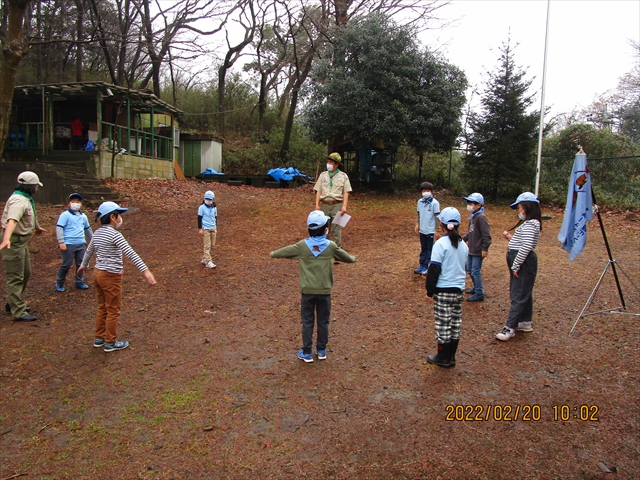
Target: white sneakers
(506, 334)
(210, 264)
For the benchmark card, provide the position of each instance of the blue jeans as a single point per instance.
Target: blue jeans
(474, 265)
(73, 252)
(426, 245)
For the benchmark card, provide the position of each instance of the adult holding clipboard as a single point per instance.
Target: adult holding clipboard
(332, 193)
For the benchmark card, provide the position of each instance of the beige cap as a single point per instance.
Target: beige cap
(29, 178)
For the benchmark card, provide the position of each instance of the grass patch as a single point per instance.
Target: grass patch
(172, 400)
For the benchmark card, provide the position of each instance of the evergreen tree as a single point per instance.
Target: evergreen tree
(501, 143)
(377, 83)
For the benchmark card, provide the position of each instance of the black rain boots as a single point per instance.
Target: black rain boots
(443, 357)
(454, 347)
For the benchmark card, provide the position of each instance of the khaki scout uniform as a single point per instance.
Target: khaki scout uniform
(332, 192)
(17, 263)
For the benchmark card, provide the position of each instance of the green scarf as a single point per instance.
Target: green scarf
(331, 175)
(33, 205)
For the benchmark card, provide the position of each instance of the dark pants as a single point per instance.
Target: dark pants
(73, 252)
(521, 288)
(17, 268)
(426, 244)
(78, 142)
(310, 305)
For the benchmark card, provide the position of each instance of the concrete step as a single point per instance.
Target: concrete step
(95, 199)
(72, 180)
(89, 189)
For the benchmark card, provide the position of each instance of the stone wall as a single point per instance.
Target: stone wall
(54, 190)
(131, 166)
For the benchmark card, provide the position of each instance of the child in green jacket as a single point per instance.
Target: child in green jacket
(316, 255)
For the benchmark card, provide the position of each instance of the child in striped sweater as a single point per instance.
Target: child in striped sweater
(109, 245)
(523, 265)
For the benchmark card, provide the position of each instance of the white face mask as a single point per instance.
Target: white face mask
(470, 209)
(330, 167)
(426, 194)
(208, 202)
(75, 206)
(119, 224)
(522, 216)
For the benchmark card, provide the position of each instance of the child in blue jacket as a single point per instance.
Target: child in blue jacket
(72, 231)
(208, 226)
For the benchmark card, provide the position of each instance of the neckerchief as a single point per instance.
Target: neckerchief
(480, 210)
(427, 200)
(317, 244)
(331, 175)
(33, 205)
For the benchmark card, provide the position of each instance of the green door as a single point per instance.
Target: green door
(192, 158)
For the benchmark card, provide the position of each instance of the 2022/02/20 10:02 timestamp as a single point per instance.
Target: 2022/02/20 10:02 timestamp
(525, 413)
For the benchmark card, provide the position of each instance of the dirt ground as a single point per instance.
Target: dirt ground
(211, 387)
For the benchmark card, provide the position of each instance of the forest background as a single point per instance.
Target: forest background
(258, 74)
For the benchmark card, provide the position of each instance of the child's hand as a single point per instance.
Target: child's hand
(40, 231)
(507, 235)
(63, 247)
(80, 271)
(417, 229)
(149, 276)
(201, 232)
(429, 299)
(485, 254)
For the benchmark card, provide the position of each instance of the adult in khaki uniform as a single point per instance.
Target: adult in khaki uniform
(332, 193)
(19, 222)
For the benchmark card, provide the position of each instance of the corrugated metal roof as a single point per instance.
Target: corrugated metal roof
(110, 93)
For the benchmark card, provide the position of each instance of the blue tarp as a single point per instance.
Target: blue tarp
(210, 171)
(286, 173)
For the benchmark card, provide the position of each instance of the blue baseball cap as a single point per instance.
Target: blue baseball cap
(75, 196)
(449, 215)
(317, 219)
(524, 197)
(475, 197)
(209, 195)
(106, 208)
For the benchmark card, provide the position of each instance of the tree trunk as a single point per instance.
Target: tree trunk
(80, 37)
(13, 49)
(222, 72)
(39, 26)
(262, 101)
(284, 150)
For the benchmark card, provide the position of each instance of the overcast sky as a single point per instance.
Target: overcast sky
(588, 46)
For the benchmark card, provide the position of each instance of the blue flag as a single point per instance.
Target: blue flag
(579, 209)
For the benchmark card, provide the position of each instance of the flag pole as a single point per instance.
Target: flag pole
(544, 84)
(611, 263)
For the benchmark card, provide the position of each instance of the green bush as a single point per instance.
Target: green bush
(258, 158)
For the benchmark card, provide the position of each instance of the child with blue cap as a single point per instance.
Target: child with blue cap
(426, 225)
(316, 255)
(109, 245)
(478, 238)
(71, 230)
(445, 284)
(523, 265)
(208, 226)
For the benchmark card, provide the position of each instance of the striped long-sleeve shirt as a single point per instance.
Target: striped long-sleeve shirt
(524, 239)
(109, 245)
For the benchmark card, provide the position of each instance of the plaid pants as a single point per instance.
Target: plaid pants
(447, 310)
